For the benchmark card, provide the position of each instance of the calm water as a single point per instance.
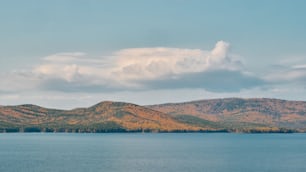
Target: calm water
(197, 152)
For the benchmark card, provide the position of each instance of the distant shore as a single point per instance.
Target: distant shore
(36, 130)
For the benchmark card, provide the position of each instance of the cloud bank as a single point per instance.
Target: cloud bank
(145, 68)
(135, 74)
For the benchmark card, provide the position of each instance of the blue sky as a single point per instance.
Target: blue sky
(75, 52)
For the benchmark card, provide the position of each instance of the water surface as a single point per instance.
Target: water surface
(168, 152)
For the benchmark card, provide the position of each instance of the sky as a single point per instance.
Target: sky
(76, 53)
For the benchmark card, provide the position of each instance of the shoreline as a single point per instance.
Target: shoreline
(160, 132)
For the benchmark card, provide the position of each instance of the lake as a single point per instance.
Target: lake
(152, 152)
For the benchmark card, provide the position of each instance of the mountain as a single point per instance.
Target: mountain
(103, 117)
(236, 114)
(215, 115)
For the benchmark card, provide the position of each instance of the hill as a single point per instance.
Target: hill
(102, 117)
(215, 115)
(236, 114)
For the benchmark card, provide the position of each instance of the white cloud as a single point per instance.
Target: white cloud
(64, 57)
(18, 81)
(140, 69)
(288, 70)
(132, 75)
(152, 63)
(300, 66)
(128, 66)
(292, 73)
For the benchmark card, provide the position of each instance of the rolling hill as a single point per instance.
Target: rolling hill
(103, 117)
(215, 115)
(238, 114)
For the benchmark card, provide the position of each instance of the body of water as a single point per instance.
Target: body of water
(168, 152)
